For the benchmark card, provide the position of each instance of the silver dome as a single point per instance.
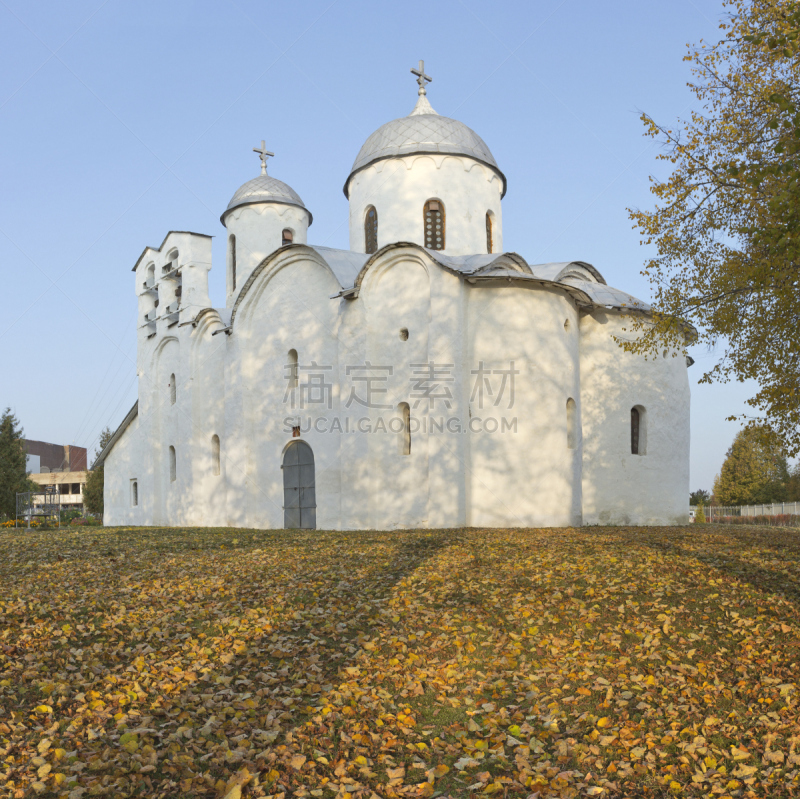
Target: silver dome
(424, 131)
(265, 189)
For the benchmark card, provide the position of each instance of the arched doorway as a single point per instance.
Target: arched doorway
(299, 498)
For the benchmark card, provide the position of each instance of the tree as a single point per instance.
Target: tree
(95, 482)
(13, 471)
(727, 221)
(755, 470)
(793, 485)
(699, 497)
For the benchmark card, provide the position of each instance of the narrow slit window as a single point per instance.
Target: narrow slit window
(134, 493)
(638, 430)
(371, 230)
(287, 237)
(572, 424)
(215, 454)
(635, 420)
(433, 222)
(293, 370)
(232, 257)
(173, 391)
(173, 466)
(488, 232)
(405, 430)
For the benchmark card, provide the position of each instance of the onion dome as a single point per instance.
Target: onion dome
(423, 131)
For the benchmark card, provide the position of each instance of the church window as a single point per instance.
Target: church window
(572, 424)
(371, 230)
(173, 391)
(173, 466)
(287, 237)
(292, 369)
(488, 231)
(405, 430)
(638, 430)
(232, 259)
(433, 221)
(150, 276)
(403, 334)
(215, 454)
(134, 493)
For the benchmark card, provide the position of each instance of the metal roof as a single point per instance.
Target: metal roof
(265, 189)
(423, 131)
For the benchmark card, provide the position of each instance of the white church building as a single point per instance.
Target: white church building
(422, 378)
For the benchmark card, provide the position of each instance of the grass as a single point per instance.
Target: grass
(586, 662)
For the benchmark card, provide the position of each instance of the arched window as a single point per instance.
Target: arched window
(215, 454)
(173, 468)
(433, 221)
(405, 430)
(638, 430)
(150, 276)
(287, 237)
(572, 424)
(134, 493)
(173, 391)
(292, 370)
(371, 230)
(232, 259)
(488, 232)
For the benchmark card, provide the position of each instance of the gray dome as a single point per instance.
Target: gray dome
(424, 131)
(265, 189)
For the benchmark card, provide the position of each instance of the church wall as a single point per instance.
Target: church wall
(397, 296)
(207, 386)
(618, 487)
(123, 464)
(400, 187)
(289, 307)
(258, 229)
(525, 475)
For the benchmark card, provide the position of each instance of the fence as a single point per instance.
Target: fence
(776, 514)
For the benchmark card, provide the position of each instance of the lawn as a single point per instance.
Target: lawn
(586, 662)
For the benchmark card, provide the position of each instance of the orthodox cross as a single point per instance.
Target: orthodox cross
(263, 154)
(422, 78)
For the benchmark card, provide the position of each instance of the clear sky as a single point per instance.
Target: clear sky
(121, 121)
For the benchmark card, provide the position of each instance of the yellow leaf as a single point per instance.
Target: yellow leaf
(603, 722)
(297, 761)
(234, 793)
(441, 770)
(43, 709)
(39, 787)
(44, 745)
(44, 770)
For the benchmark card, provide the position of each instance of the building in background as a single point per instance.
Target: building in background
(58, 466)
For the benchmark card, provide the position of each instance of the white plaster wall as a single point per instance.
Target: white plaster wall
(287, 307)
(235, 386)
(259, 231)
(618, 487)
(528, 477)
(124, 463)
(400, 187)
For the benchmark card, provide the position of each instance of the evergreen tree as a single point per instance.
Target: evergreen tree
(699, 497)
(13, 472)
(755, 470)
(95, 482)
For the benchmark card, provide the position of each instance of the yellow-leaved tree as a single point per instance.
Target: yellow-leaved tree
(727, 221)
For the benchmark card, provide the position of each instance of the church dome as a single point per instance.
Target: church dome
(265, 189)
(423, 131)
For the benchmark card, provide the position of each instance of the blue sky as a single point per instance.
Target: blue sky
(121, 121)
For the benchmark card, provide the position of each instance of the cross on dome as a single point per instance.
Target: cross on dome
(263, 154)
(422, 78)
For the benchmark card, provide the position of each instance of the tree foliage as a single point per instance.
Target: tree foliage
(755, 470)
(727, 221)
(699, 497)
(13, 471)
(95, 481)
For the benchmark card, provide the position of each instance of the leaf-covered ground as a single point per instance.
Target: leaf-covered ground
(589, 662)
